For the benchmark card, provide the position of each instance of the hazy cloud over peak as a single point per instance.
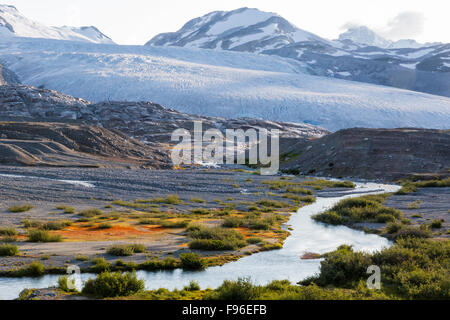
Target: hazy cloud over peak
(408, 24)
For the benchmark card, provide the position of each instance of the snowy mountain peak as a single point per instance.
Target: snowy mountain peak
(366, 36)
(14, 24)
(244, 29)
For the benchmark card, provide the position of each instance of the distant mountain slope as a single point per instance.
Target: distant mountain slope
(218, 83)
(14, 24)
(359, 55)
(244, 29)
(361, 35)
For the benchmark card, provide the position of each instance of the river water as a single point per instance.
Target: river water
(262, 268)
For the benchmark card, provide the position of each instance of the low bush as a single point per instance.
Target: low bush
(8, 250)
(407, 188)
(90, 213)
(23, 208)
(110, 285)
(254, 240)
(35, 269)
(436, 224)
(43, 236)
(200, 211)
(8, 232)
(100, 265)
(197, 200)
(126, 250)
(66, 209)
(412, 232)
(299, 190)
(193, 286)
(233, 222)
(362, 209)
(66, 284)
(412, 268)
(241, 290)
(216, 245)
(56, 225)
(175, 224)
(191, 261)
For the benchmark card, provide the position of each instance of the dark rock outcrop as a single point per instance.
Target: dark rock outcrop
(387, 154)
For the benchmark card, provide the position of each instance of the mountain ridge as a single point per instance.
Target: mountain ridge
(14, 24)
(419, 68)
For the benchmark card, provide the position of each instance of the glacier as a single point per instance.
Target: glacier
(217, 83)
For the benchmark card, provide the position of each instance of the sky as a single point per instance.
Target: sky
(137, 21)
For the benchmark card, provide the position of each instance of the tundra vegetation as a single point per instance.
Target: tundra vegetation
(412, 269)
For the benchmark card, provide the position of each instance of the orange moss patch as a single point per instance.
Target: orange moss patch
(117, 232)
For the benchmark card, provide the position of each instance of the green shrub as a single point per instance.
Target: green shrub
(241, 290)
(197, 200)
(81, 258)
(90, 213)
(233, 222)
(8, 250)
(150, 222)
(42, 236)
(436, 224)
(273, 204)
(434, 183)
(63, 284)
(362, 209)
(385, 218)
(343, 267)
(8, 232)
(100, 265)
(110, 285)
(412, 232)
(200, 211)
(35, 269)
(254, 240)
(200, 232)
(105, 225)
(56, 225)
(299, 190)
(392, 228)
(328, 217)
(126, 250)
(191, 261)
(407, 188)
(23, 208)
(66, 209)
(216, 245)
(175, 225)
(8, 239)
(193, 286)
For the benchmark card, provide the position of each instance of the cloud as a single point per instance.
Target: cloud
(350, 25)
(408, 24)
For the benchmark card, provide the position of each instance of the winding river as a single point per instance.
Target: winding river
(306, 236)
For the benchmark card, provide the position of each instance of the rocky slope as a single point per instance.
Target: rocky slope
(387, 154)
(145, 121)
(69, 145)
(7, 76)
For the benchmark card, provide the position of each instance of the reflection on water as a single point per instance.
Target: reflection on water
(307, 236)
